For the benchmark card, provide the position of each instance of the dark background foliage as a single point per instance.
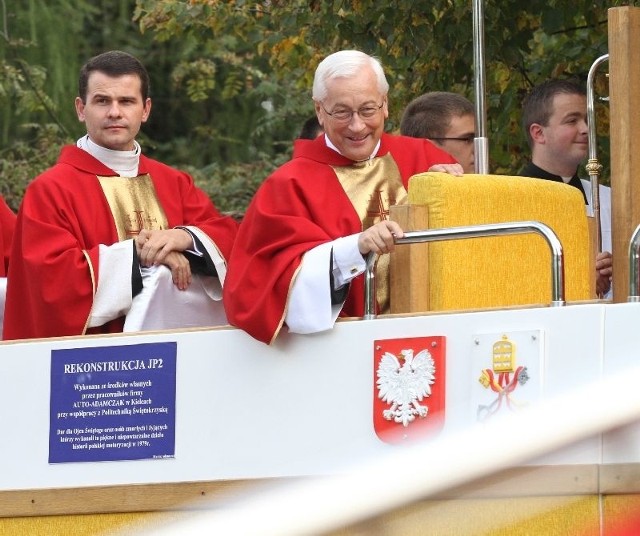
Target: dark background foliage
(231, 79)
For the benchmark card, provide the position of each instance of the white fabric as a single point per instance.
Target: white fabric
(348, 262)
(605, 217)
(124, 163)
(309, 309)
(605, 211)
(3, 296)
(113, 295)
(161, 305)
(215, 255)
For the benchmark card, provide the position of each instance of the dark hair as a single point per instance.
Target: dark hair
(311, 128)
(429, 115)
(113, 63)
(538, 104)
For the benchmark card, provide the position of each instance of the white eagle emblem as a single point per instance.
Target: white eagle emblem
(403, 386)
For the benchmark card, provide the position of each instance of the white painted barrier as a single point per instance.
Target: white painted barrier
(304, 406)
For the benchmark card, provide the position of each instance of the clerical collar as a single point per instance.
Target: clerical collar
(531, 170)
(124, 163)
(332, 146)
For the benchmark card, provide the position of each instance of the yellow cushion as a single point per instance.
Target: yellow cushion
(505, 270)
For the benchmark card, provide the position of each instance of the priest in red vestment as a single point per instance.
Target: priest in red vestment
(103, 233)
(301, 246)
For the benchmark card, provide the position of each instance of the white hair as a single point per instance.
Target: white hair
(346, 64)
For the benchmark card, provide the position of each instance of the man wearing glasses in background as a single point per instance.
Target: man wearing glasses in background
(447, 119)
(300, 252)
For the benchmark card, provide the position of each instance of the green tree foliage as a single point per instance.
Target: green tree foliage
(425, 45)
(42, 46)
(205, 118)
(231, 79)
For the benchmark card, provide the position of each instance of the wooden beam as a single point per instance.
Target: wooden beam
(409, 264)
(115, 499)
(624, 92)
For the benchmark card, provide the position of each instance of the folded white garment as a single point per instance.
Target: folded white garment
(161, 305)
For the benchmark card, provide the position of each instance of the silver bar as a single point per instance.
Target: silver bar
(634, 266)
(481, 142)
(475, 231)
(481, 155)
(593, 166)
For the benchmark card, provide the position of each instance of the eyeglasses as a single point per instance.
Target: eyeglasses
(344, 115)
(465, 139)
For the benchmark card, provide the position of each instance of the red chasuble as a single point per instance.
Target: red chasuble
(300, 206)
(63, 220)
(7, 226)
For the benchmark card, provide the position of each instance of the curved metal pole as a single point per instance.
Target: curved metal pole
(593, 166)
(475, 231)
(480, 142)
(634, 266)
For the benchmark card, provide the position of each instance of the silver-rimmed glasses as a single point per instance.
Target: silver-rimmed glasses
(344, 115)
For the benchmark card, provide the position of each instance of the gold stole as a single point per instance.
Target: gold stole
(372, 187)
(134, 204)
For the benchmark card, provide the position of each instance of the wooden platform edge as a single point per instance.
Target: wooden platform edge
(523, 481)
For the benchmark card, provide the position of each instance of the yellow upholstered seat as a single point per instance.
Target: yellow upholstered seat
(505, 270)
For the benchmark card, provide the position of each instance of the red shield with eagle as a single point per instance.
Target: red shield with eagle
(408, 387)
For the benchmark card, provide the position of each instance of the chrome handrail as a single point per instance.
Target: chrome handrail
(475, 231)
(594, 167)
(634, 266)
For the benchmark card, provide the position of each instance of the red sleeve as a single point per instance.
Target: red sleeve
(7, 228)
(296, 209)
(186, 204)
(50, 282)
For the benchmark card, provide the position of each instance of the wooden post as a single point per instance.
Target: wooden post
(409, 263)
(624, 92)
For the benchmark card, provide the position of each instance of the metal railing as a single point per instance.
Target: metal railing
(634, 266)
(593, 166)
(475, 231)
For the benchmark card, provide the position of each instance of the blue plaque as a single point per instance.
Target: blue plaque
(113, 403)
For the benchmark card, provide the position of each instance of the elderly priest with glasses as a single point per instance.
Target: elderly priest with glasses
(300, 252)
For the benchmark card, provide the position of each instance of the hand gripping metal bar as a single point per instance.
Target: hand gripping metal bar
(475, 231)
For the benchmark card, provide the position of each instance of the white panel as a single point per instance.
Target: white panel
(304, 405)
(622, 350)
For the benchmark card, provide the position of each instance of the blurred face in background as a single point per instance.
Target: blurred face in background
(458, 140)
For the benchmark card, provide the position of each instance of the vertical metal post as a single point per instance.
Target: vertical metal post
(593, 166)
(481, 142)
(634, 266)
